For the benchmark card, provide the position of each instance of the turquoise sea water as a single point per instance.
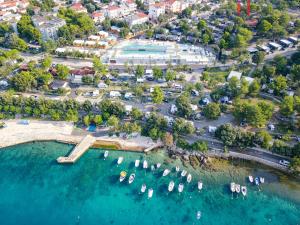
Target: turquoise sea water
(34, 189)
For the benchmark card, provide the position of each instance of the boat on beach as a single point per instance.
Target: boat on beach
(122, 176)
(244, 190)
(166, 172)
(189, 178)
(145, 164)
(237, 188)
(256, 181)
(183, 173)
(177, 168)
(250, 179)
(158, 165)
(131, 178)
(171, 186)
(152, 167)
(150, 193)
(105, 154)
(120, 160)
(262, 180)
(143, 188)
(137, 163)
(232, 187)
(200, 185)
(180, 187)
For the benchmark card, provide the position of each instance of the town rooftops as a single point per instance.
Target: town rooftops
(113, 7)
(275, 45)
(285, 42)
(77, 6)
(83, 71)
(46, 21)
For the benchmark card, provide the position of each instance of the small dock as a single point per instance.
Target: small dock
(78, 151)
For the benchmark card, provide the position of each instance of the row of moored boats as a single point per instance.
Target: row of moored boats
(237, 188)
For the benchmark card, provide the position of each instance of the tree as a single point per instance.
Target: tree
(212, 111)
(170, 75)
(26, 29)
(199, 146)
(98, 120)
(124, 32)
(99, 67)
(183, 127)
(113, 121)
(264, 27)
(279, 84)
(201, 25)
(157, 95)
(168, 139)
(86, 120)
(136, 114)
(183, 105)
(254, 88)
(295, 72)
(287, 106)
(280, 63)
(227, 134)
(62, 71)
(149, 33)
(264, 139)
(23, 81)
(157, 73)
(47, 62)
(14, 42)
(258, 57)
(87, 106)
(139, 71)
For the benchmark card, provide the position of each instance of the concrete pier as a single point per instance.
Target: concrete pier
(78, 151)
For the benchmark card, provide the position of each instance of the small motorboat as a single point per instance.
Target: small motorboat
(232, 187)
(256, 180)
(251, 179)
(171, 186)
(158, 165)
(189, 178)
(152, 167)
(244, 190)
(237, 188)
(105, 154)
(143, 188)
(137, 163)
(122, 175)
(262, 180)
(183, 173)
(150, 193)
(180, 187)
(166, 172)
(120, 160)
(177, 168)
(145, 164)
(200, 185)
(131, 178)
(198, 216)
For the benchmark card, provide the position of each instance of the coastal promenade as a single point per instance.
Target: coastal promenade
(78, 151)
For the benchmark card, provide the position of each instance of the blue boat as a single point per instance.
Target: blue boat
(256, 181)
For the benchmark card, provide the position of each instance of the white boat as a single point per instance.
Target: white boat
(232, 187)
(143, 188)
(131, 178)
(150, 193)
(105, 154)
(137, 163)
(238, 188)
(183, 173)
(152, 167)
(200, 185)
(120, 160)
(171, 186)
(262, 180)
(177, 168)
(251, 179)
(122, 176)
(158, 165)
(198, 216)
(189, 178)
(244, 190)
(256, 181)
(145, 164)
(180, 187)
(166, 172)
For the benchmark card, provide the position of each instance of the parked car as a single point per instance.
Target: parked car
(284, 162)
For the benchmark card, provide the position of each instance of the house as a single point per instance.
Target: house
(95, 93)
(79, 8)
(264, 48)
(128, 95)
(173, 109)
(113, 12)
(177, 86)
(128, 109)
(102, 34)
(286, 43)
(76, 75)
(59, 84)
(173, 6)
(137, 19)
(212, 129)
(48, 25)
(275, 46)
(98, 17)
(131, 5)
(194, 107)
(155, 10)
(78, 43)
(293, 39)
(236, 74)
(114, 94)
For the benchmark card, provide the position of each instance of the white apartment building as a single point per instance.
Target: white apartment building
(155, 10)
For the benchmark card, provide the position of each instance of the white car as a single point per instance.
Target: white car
(284, 162)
